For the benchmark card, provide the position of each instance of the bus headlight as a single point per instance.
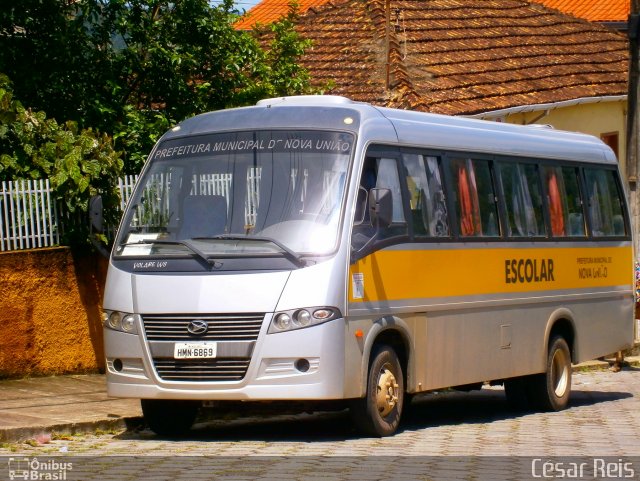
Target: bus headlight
(302, 318)
(121, 321)
(284, 321)
(128, 323)
(114, 320)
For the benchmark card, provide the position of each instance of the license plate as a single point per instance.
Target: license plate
(195, 350)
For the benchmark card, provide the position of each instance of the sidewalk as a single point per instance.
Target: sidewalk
(62, 404)
(38, 407)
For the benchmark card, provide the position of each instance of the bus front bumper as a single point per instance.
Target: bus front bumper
(304, 364)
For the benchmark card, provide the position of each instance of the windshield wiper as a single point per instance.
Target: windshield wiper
(288, 253)
(209, 260)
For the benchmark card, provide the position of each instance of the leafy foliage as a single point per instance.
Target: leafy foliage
(287, 77)
(113, 75)
(79, 162)
(131, 68)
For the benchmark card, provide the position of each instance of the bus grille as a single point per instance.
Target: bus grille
(210, 370)
(222, 327)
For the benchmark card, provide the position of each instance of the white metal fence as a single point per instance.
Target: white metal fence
(29, 216)
(125, 185)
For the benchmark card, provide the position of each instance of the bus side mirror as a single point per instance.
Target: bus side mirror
(95, 213)
(380, 207)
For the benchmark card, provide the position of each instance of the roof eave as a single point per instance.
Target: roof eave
(493, 114)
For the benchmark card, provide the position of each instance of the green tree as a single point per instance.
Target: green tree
(46, 50)
(132, 68)
(79, 162)
(287, 76)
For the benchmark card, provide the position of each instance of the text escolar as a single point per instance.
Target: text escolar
(528, 270)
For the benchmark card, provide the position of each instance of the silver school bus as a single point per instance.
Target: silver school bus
(314, 249)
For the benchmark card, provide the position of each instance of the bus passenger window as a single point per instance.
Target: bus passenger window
(555, 205)
(426, 196)
(565, 204)
(605, 203)
(523, 199)
(475, 198)
(574, 204)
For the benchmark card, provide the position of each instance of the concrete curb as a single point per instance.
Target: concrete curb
(601, 365)
(23, 434)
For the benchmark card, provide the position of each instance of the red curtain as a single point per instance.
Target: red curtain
(555, 206)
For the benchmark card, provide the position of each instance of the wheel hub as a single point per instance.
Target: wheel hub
(387, 391)
(560, 373)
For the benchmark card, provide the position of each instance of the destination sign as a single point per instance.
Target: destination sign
(327, 142)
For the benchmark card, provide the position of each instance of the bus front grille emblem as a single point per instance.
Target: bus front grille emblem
(197, 327)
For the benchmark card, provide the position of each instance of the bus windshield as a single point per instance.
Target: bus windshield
(255, 193)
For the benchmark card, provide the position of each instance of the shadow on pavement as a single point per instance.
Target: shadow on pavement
(425, 411)
(484, 406)
(317, 426)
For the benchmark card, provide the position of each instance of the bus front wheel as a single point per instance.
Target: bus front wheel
(169, 417)
(378, 413)
(550, 390)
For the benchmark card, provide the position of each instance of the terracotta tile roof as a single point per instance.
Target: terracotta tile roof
(592, 10)
(462, 56)
(269, 11)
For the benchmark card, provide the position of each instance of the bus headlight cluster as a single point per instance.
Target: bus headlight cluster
(299, 318)
(120, 321)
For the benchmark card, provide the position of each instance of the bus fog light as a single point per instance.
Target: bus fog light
(114, 320)
(283, 321)
(128, 323)
(117, 365)
(302, 365)
(303, 318)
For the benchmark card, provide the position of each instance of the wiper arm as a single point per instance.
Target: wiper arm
(206, 258)
(289, 254)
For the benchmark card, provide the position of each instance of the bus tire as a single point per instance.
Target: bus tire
(169, 417)
(378, 413)
(551, 390)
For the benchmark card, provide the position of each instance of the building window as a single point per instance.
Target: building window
(612, 140)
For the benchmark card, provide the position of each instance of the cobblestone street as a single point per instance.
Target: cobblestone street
(602, 420)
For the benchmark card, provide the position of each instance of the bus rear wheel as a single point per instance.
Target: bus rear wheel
(551, 390)
(378, 413)
(169, 417)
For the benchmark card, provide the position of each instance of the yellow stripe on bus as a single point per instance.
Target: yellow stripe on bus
(409, 274)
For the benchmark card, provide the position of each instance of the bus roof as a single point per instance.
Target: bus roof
(403, 127)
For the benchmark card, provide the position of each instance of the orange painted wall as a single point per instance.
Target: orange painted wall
(50, 312)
